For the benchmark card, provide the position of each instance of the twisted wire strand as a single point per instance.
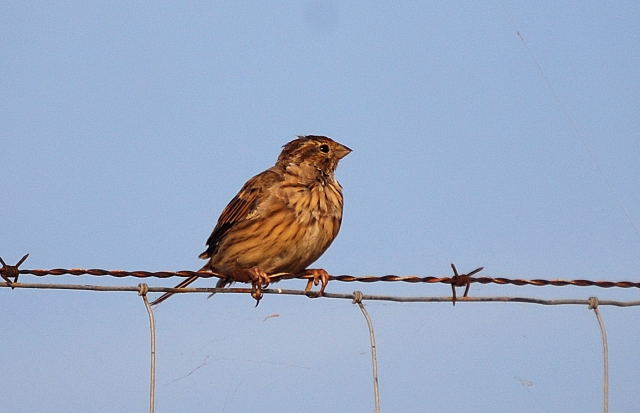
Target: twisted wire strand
(341, 278)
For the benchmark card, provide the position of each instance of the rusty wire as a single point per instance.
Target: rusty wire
(341, 278)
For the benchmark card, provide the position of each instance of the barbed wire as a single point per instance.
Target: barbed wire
(456, 279)
(11, 273)
(7, 272)
(356, 297)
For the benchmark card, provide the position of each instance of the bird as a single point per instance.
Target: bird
(281, 220)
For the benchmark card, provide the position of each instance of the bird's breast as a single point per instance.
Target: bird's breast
(313, 202)
(317, 214)
(289, 231)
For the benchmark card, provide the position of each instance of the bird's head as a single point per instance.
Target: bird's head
(318, 151)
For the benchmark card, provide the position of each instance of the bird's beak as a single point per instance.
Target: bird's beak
(342, 151)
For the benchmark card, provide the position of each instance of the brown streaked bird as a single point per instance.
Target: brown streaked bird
(281, 221)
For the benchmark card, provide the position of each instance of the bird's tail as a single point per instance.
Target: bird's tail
(184, 283)
(222, 282)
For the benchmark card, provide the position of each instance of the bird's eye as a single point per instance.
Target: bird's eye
(324, 148)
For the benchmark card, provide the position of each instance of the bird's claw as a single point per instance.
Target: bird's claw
(319, 276)
(259, 281)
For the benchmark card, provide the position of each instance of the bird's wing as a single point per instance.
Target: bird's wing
(241, 207)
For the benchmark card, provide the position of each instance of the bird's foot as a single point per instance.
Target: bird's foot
(319, 276)
(259, 281)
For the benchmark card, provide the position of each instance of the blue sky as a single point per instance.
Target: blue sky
(126, 127)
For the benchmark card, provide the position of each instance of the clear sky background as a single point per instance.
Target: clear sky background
(126, 127)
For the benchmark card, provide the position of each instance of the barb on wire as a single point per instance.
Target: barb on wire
(593, 305)
(460, 280)
(143, 289)
(357, 299)
(11, 271)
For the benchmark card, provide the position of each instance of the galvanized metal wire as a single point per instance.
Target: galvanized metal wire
(357, 299)
(143, 289)
(594, 302)
(326, 295)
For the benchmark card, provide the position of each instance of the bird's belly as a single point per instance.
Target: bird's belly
(300, 246)
(293, 244)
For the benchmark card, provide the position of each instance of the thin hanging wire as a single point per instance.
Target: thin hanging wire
(357, 299)
(143, 289)
(593, 305)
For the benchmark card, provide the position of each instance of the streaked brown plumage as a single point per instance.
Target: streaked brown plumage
(282, 219)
